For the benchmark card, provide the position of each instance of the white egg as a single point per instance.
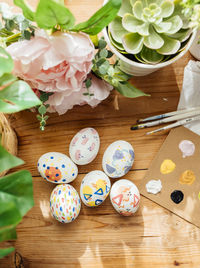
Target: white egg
(65, 203)
(84, 146)
(125, 197)
(95, 187)
(57, 168)
(118, 159)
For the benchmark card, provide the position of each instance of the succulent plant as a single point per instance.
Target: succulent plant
(150, 29)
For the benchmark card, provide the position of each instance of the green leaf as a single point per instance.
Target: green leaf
(129, 91)
(167, 8)
(133, 42)
(103, 53)
(176, 25)
(51, 13)
(154, 40)
(100, 19)
(171, 46)
(16, 97)
(110, 54)
(42, 109)
(117, 30)
(6, 62)
(125, 8)
(17, 188)
(8, 160)
(130, 23)
(138, 10)
(151, 56)
(88, 83)
(8, 233)
(5, 251)
(100, 62)
(28, 13)
(102, 44)
(6, 79)
(104, 67)
(9, 218)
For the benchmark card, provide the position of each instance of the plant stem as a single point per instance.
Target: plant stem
(12, 37)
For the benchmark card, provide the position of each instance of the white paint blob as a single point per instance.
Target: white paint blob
(187, 148)
(154, 186)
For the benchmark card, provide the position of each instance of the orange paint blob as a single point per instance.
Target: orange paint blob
(53, 174)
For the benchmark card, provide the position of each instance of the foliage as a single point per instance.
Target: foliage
(16, 193)
(15, 95)
(53, 15)
(16, 198)
(191, 9)
(42, 109)
(14, 26)
(148, 29)
(112, 74)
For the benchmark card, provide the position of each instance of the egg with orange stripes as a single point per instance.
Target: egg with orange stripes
(65, 203)
(94, 189)
(57, 168)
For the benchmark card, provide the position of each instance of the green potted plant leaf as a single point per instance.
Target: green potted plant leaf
(148, 35)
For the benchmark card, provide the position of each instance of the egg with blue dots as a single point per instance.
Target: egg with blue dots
(95, 188)
(84, 146)
(65, 203)
(118, 159)
(57, 168)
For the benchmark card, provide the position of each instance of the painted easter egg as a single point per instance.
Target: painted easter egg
(118, 159)
(95, 187)
(125, 197)
(65, 203)
(84, 146)
(57, 168)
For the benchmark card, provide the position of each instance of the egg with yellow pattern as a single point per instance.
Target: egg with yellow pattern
(94, 189)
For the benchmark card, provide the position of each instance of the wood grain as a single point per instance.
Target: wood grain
(101, 238)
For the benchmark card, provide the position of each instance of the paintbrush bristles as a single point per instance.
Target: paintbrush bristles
(193, 113)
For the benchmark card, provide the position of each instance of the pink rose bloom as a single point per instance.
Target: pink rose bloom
(59, 63)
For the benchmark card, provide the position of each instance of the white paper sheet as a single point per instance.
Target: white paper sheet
(190, 95)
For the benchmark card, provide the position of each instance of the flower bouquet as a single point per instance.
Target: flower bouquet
(58, 58)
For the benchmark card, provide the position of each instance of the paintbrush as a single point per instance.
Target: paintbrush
(161, 116)
(167, 120)
(178, 123)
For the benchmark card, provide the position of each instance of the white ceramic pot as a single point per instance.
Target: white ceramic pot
(141, 69)
(195, 47)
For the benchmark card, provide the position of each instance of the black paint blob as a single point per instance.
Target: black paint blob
(177, 196)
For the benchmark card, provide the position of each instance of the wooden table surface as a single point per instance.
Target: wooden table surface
(100, 238)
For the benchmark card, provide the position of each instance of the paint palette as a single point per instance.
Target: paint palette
(173, 179)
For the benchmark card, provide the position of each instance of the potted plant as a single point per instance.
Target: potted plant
(148, 35)
(192, 12)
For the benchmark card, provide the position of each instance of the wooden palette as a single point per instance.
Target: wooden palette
(189, 207)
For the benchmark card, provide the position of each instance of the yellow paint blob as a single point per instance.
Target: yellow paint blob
(199, 195)
(167, 166)
(187, 177)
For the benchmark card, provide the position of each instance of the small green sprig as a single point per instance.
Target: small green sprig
(14, 27)
(42, 110)
(88, 84)
(111, 73)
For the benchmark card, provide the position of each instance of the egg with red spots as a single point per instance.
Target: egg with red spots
(84, 146)
(65, 203)
(57, 168)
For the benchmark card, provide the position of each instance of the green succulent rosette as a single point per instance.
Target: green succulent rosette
(152, 30)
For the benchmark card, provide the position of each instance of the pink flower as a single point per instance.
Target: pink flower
(59, 63)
